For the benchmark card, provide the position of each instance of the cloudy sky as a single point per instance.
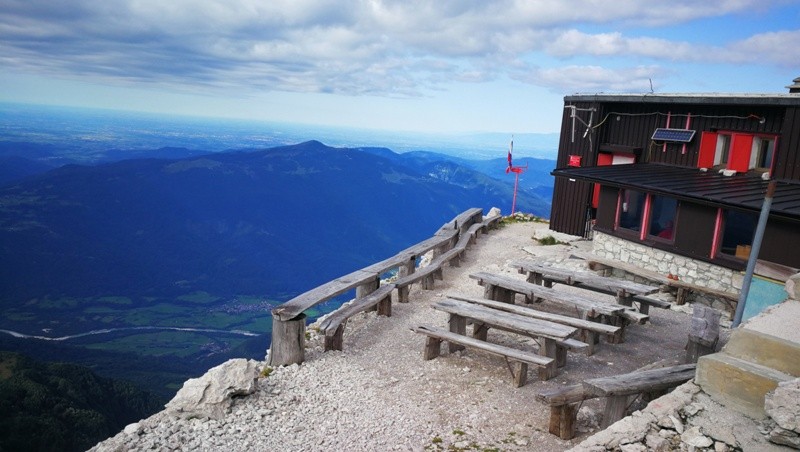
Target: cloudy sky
(411, 65)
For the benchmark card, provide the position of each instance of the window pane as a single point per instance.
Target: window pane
(662, 216)
(739, 228)
(723, 148)
(631, 209)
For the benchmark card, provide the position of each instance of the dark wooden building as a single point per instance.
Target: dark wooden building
(682, 173)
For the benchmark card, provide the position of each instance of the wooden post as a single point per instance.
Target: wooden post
(288, 341)
(480, 331)
(385, 306)
(366, 289)
(563, 419)
(336, 341)
(615, 409)
(402, 271)
(458, 325)
(704, 334)
(521, 377)
(624, 298)
(432, 348)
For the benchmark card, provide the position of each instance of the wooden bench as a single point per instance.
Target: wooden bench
(503, 288)
(552, 335)
(653, 383)
(333, 325)
(563, 401)
(623, 290)
(520, 358)
(682, 288)
(589, 330)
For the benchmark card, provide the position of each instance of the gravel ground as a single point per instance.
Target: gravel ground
(379, 394)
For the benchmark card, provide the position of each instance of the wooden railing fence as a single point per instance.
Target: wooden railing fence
(289, 321)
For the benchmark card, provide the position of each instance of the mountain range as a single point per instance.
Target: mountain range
(172, 259)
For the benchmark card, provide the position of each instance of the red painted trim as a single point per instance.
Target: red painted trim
(688, 123)
(715, 243)
(741, 148)
(669, 117)
(708, 147)
(619, 207)
(645, 226)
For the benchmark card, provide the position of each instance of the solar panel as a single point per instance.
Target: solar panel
(679, 135)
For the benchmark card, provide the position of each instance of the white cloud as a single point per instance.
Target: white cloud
(357, 47)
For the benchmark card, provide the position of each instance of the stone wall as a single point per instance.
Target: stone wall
(686, 269)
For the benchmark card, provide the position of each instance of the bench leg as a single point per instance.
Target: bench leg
(563, 419)
(385, 306)
(624, 298)
(561, 356)
(402, 294)
(592, 339)
(335, 342)
(521, 376)
(433, 346)
(615, 409)
(548, 371)
(480, 331)
(644, 308)
(458, 325)
(428, 281)
(680, 297)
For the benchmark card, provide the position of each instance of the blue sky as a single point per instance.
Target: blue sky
(404, 65)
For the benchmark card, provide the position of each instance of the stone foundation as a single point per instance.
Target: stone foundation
(687, 269)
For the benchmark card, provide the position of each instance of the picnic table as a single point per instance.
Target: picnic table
(503, 288)
(553, 336)
(624, 290)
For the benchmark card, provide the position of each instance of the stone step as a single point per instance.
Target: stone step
(766, 350)
(736, 383)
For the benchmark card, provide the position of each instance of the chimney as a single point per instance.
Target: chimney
(794, 87)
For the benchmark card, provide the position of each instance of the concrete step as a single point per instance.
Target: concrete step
(736, 383)
(766, 350)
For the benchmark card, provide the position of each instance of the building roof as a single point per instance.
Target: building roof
(741, 191)
(785, 99)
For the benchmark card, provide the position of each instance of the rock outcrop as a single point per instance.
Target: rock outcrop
(211, 395)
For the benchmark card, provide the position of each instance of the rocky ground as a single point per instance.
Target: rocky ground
(379, 394)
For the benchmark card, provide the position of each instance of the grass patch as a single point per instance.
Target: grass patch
(549, 240)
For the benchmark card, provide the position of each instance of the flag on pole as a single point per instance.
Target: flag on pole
(510, 148)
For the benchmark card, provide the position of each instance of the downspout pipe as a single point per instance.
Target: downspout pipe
(751, 261)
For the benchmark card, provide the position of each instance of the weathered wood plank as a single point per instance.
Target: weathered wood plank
(507, 320)
(306, 300)
(584, 279)
(533, 291)
(495, 349)
(642, 381)
(530, 312)
(657, 277)
(334, 319)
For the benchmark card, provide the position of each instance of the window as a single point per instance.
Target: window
(761, 154)
(663, 212)
(722, 150)
(741, 152)
(630, 210)
(736, 233)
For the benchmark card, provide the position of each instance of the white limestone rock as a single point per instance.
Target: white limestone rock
(783, 405)
(210, 396)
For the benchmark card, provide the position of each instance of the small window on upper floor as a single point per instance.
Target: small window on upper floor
(762, 153)
(741, 152)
